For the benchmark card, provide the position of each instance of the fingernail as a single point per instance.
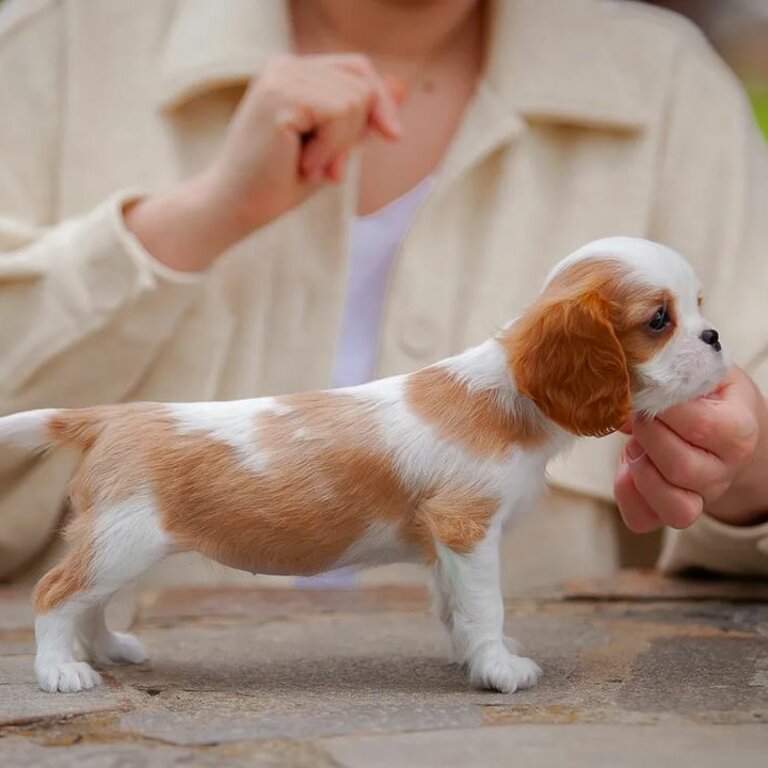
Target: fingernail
(634, 451)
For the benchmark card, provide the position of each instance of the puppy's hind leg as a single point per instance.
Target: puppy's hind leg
(61, 596)
(103, 646)
(115, 546)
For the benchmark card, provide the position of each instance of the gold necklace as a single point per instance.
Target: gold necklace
(417, 79)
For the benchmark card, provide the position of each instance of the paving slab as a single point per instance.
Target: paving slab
(336, 677)
(22, 702)
(300, 679)
(547, 746)
(19, 752)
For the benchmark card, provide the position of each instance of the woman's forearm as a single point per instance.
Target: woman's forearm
(186, 228)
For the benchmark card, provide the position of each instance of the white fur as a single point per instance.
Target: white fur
(379, 545)
(27, 430)
(55, 664)
(127, 540)
(128, 537)
(230, 422)
(650, 262)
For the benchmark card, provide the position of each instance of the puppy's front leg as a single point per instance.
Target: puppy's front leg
(472, 610)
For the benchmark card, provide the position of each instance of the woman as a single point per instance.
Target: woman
(327, 225)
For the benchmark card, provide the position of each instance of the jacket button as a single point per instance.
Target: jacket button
(418, 337)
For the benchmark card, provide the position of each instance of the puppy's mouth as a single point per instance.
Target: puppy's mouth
(655, 399)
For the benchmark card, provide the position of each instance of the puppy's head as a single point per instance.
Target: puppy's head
(618, 328)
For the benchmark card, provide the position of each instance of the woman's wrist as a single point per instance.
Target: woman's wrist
(746, 501)
(188, 227)
(739, 512)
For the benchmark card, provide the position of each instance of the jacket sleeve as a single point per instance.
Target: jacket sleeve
(71, 290)
(712, 205)
(76, 295)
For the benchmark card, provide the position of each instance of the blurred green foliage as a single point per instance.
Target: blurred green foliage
(759, 99)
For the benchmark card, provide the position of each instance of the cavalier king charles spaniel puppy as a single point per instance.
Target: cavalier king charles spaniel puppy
(425, 467)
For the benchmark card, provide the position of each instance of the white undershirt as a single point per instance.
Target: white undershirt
(374, 241)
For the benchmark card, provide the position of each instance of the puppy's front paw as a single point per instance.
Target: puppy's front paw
(496, 669)
(66, 676)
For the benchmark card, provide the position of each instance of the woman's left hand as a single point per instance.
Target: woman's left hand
(711, 453)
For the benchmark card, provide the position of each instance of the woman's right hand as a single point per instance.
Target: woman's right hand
(290, 134)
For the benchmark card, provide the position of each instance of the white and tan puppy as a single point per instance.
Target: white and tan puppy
(424, 467)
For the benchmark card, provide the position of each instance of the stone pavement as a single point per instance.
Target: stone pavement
(639, 670)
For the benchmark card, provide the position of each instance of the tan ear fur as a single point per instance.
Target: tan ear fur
(566, 357)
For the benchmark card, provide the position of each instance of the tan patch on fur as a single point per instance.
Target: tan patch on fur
(80, 427)
(326, 480)
(630, 303)
(458, 519)
(476, 420)
(639, 345)
(63, 581)
(325, 483)
(576, 350)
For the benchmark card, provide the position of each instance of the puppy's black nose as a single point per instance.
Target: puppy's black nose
(712, 337)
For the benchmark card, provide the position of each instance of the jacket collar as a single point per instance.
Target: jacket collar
(557, 61)
(548, 60)
(212, 45)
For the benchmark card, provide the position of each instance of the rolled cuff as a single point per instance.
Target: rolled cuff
(116, 208)
(82, 277)
(112, 262)
(715, 546)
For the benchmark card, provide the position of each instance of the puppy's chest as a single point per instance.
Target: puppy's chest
(520, 482)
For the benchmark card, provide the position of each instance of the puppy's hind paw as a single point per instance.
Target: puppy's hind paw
(66, 676)
(120, 648)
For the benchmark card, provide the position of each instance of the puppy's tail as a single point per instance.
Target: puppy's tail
(42, 429)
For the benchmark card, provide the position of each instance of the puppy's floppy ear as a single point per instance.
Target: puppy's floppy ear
(566, 357)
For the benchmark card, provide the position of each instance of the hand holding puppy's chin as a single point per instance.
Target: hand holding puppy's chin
(708, 455)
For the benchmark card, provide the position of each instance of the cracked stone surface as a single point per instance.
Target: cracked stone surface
(639, 668)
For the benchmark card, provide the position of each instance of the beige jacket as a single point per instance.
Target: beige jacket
(592, 119)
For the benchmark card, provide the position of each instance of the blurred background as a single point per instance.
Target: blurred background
(738, 29)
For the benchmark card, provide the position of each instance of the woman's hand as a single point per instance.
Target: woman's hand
(292, 131)
(710, 454)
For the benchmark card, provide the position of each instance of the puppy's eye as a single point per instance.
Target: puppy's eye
(660, 320)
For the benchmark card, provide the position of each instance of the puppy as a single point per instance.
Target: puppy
(423, 467)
